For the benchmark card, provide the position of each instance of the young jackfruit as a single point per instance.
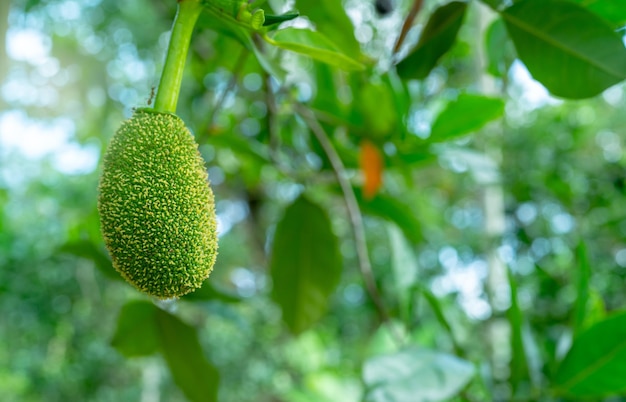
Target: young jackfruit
(156, 207)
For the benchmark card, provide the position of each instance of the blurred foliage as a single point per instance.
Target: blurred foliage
(474, 137)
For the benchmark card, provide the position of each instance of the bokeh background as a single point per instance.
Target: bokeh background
(550, 176)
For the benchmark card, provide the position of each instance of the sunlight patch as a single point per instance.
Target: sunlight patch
(28, 45)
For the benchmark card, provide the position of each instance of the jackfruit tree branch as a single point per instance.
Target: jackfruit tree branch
(172, 76)
(354, 213)
(408, 23)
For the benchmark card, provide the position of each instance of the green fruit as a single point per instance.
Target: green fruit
(156, 207)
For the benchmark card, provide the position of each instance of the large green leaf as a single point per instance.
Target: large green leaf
(437, 38)
(613, 11)
(314, 45)
(305, 265)
(144, 329)
(465, 115)
(415, 375)
(136, 333)
(571, 51)
(331, 19)
(595, 366)
(196, 377)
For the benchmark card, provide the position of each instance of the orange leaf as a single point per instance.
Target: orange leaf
(371, 162)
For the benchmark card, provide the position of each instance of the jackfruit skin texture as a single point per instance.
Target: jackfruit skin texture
(157, 211)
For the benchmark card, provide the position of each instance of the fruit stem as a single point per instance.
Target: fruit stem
(172, 76)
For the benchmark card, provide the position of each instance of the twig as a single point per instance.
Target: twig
(354, 213)
(408, 22)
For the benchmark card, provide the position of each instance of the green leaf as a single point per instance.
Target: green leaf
(595, 309)
(136, 333)
(595, 366)
(614, 11)
(395, 211)
(144, 329)
(500, 51)
(571, 51)
(314, 45)
(305, 264)
(277, 19)
(465, 115)
(194, 375)
(415, 375)
(437, 38)
(331, 20)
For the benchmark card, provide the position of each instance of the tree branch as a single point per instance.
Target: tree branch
(408, 23)
(354, 213)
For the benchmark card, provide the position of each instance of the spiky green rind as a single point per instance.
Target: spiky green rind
(157, 211)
